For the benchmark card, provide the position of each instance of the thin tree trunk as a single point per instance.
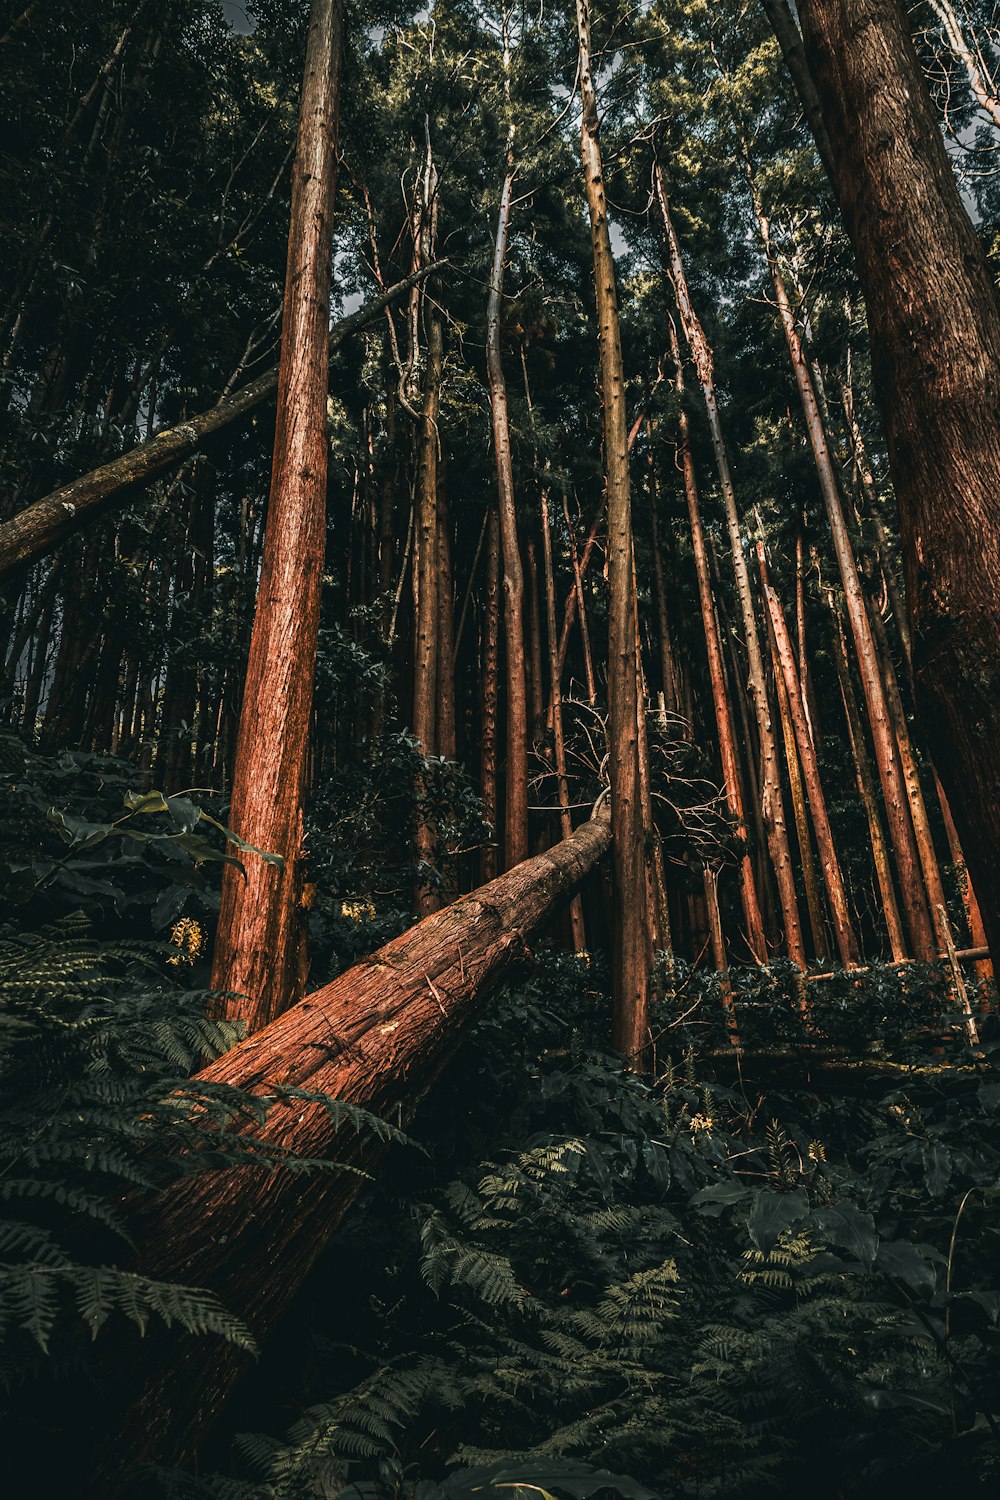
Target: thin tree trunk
(753, 921)
(630, 972)
(578, 597)
(516, 781)
(446, 743)
(894, 791)
(260, 934)
(867, 787)
(927, 286)
(558, 743)
(670, 676)
(771, 804)
(575, 599)
(984, 89)
(800, 815)
(977, 932)
(843, 928)
(789, 39)
(489, 667)
(426, 617)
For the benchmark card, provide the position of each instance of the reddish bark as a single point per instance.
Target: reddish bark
(934, 323)
(258, 946)
(377, 1037)
(630, 967)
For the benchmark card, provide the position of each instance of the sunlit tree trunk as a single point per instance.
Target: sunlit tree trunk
(516, 716)
(867, 786)
(797, 798)
(630, 971)
(983, 86)
(257, 958)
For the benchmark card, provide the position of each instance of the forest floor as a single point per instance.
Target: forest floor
(744, 1277)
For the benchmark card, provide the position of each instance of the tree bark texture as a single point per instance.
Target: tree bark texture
(516, 779)
(843, 927)
(934, 322)
(260, 934)
(630, 969)
(377, 1037)
(772, 810)
(754, 922)
(887, 758)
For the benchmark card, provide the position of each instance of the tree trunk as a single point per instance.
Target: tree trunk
(578, 600)
(867, 787)
(789, 40)
(258, 946)
(377, 1037)
(630, 971)
(771, 805)
(489, 667)
(426, 649)
(754, 924)
(446, 741)
(934, 322)
(984, 89)
(516, 787)
(669, 674)
(558, 744)
(886, 757)
(843, 928)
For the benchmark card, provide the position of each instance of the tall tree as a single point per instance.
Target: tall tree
(630, 971)
(258, 959)
(772, 809)
(934, 323)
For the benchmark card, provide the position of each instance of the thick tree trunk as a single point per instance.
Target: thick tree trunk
(516, 788)
(630, 970)
(772, 809)
(934, 321)
(377, 1037)
(258, 946)
(754, 924)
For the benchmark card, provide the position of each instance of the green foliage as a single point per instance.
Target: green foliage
(716, 1292)
(99, 1037)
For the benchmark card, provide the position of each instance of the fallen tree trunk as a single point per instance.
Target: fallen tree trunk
(38, 528)
(377, 1037)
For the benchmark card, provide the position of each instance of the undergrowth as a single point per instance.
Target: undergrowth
(712, 1287)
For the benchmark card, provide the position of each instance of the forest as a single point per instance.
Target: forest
(500, 747)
